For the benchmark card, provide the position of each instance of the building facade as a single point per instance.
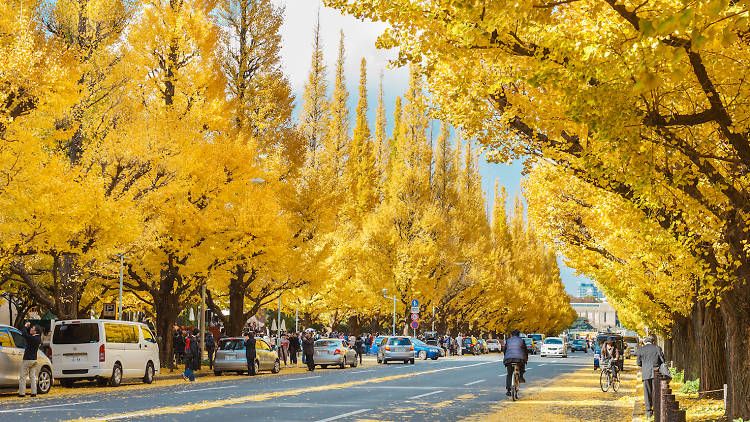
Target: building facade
(600, 314)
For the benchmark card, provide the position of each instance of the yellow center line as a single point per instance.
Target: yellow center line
(205, 405)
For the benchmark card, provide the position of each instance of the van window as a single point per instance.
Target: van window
(131, 333)
(76, 333)
(120, 333)
(5, 339)
(232, 344)
(18, 339)
(147, 335)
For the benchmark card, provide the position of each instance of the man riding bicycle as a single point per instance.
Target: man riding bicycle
(515, 352)
(611, 355)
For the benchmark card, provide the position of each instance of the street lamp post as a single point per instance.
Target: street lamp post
(385, 295)
(278, 326)
(433, 318)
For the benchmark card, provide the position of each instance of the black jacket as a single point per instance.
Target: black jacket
(192, 354)
(210, 342)
(293, 343)
(32, 344)
(250, 348)
(308, 346)
(359, 345)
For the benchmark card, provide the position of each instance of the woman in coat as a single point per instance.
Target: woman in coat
(308, 347)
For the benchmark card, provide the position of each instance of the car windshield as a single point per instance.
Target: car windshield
(527, 340)
(328, 343)
(578, 341)
(553, 341)
(418, 342)
(399, 341)
(76, 333)
(631, 340)
(537, 337)
(232, 344)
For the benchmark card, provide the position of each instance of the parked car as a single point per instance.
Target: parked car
(554, 346)
(494, 345)
(331, 351)
(530, 345)
(397, 348)
(230, 356)
(425, 351)
(12, 345)
(578, 345)
(103, 350)
(631, 346)
(375, 343)
(470, 346)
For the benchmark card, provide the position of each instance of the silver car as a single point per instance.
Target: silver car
(230, 356)
(12, 345)
(331, 351)
(398, 348)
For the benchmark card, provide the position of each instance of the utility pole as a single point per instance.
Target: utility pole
(296, 320)
(433, 318)
(119, 306)
(278, 325)
(385, 295)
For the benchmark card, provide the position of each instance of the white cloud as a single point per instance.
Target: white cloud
(360, 37)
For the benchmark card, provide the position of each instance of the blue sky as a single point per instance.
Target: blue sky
(300, 17)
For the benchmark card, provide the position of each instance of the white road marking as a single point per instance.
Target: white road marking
(303, 378)
(31, 409)
(202, 389)
(425, 395)
(502, 375)
(345, 415)
(542, 364)
(362, 372)
(474, 382)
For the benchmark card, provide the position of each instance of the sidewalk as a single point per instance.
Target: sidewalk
(697, 409)
(573, 397)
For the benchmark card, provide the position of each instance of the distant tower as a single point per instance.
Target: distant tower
(589, 290)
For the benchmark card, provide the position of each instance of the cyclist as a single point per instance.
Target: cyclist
(611, 355)
(514, 351)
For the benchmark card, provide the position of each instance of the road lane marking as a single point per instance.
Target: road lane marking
(473, 382)
(541, 364)
(31, 409)
(299, 379)
(202, 389)
(362, 372)
(345, 415)
(257, 397)
(425, 395)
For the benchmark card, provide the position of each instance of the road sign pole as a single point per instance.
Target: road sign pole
(394, 316)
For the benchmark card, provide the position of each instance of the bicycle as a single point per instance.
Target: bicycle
(516, 382)
(609, 377)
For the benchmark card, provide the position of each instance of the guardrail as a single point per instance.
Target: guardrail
(666, 408)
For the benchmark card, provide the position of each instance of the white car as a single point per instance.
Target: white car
(554, 346)
(103, 350)
(493, 345)
(12, 345)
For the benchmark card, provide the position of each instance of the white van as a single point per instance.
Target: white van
(104, 350)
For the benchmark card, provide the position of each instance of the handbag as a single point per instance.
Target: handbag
(664, 370)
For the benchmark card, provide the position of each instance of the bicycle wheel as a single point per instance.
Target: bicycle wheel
(615, 382)
(604, 380)
(516, 384)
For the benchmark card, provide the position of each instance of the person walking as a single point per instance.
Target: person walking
(649, 356)
(210, 348)
(284, 350)
(293, 348)
(460, 344)
(178, 345)
(191, 357)
(359, 347)
(29, 366)
(250, 352)
(308, 347)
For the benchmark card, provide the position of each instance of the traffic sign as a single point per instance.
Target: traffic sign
(415, 325)
(414, 303)
(415, 317)
(415, 309)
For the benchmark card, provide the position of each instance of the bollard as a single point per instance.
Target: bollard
(667, 398)
(656, 395)
(681, 416)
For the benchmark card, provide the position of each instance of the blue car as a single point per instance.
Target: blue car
(374, 348)
(425, 351)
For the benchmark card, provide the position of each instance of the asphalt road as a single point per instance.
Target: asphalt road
(446, 389)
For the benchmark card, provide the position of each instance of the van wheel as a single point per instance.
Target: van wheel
(276, 367)
(44, 381)
(116, 378)
(67, 382)
(148, 377)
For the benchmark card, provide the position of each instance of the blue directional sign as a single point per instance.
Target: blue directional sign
(414, 303)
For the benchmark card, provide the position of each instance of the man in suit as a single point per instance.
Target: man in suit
(649, 356)
(250, 352)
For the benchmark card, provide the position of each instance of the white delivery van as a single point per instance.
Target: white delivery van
(103, 350)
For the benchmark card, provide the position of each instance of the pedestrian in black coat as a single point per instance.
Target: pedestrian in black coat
(250, 352)
(308, 347)
(210, 348)
(294, 348)
(359, 347)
